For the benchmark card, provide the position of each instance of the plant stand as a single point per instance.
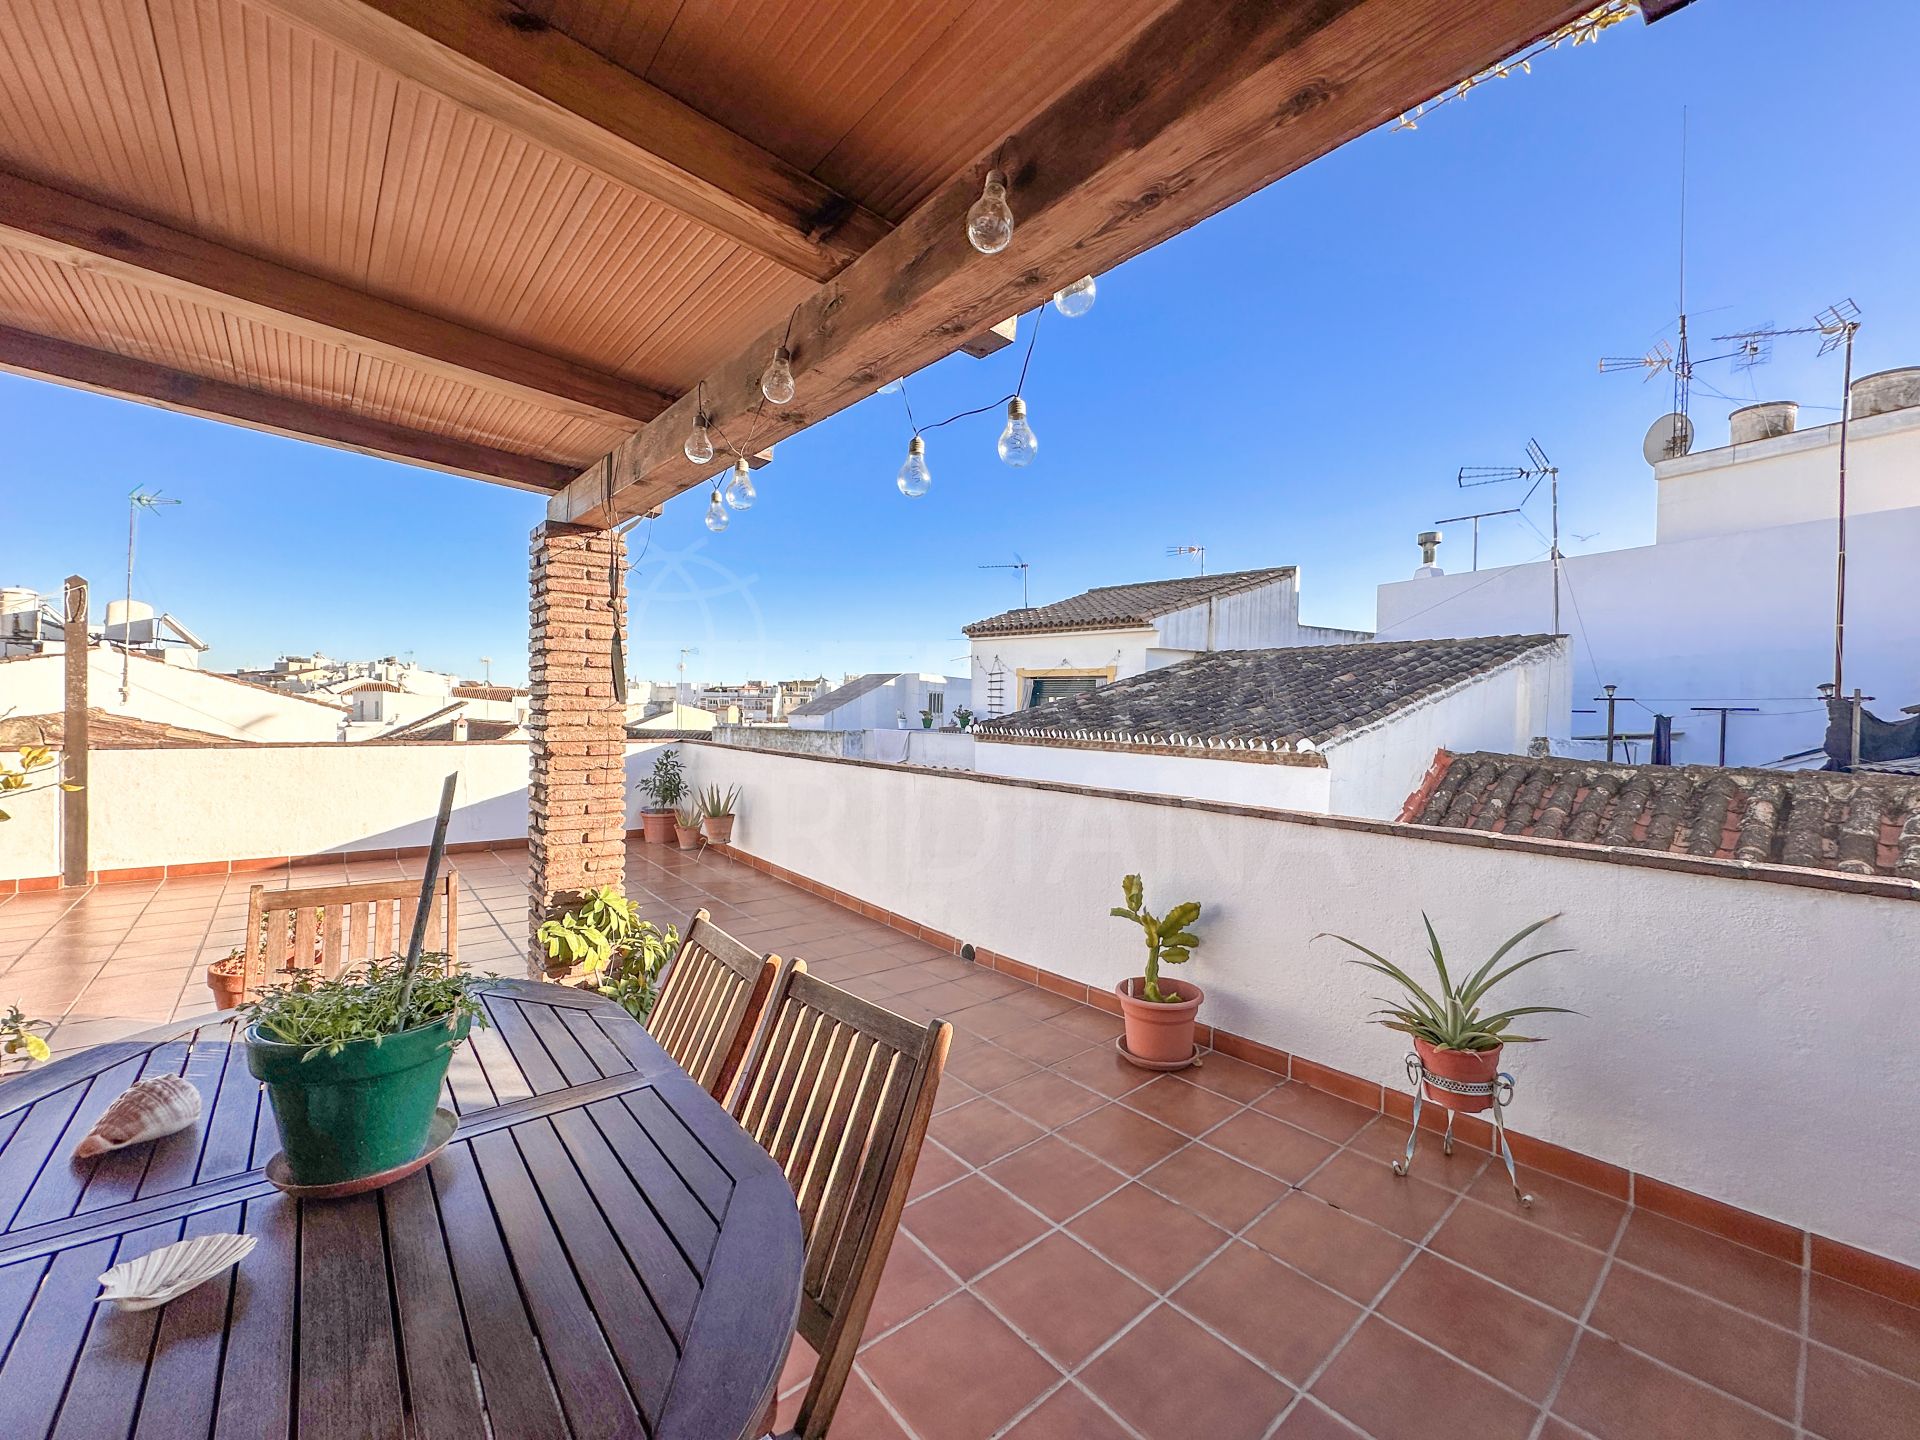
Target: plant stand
(1498, 1091)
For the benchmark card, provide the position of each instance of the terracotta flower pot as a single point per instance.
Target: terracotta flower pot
(228, 981)
(1473, 1067)
(656, 827)
(686, 836)
(1159, 1033)
(719, 828)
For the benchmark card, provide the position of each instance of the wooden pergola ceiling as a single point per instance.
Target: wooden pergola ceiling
(509, 240)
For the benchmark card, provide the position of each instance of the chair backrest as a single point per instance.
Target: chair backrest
(838, 1091)
(329, 927)
(710, 1000)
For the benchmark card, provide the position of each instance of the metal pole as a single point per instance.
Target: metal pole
(1610, 702)
(126, 620)
(1840, 554)
(1853, 753)
(1554, 476)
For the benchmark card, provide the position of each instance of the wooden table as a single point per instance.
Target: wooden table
(601, 1251)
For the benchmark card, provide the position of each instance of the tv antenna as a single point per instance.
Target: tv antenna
(1199, 551)
(486, 670)
(1538, 469)
(1836, 326)
(138, 500)
(1021, 566)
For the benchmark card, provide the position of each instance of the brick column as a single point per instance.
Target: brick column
(576, 798)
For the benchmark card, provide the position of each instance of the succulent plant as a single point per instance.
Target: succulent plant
(1169, 940)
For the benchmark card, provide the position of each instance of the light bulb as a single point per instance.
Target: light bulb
(776, 382)
(717, 516)
(892, 387)
(699, 446)
(740, 491)
(1076, 299)
(914, 475)
(990, 220)
(1018, 442)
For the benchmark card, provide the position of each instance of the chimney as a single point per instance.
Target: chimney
(459, 727)
(1888, 390)
(1429, 542)
(1763, 421)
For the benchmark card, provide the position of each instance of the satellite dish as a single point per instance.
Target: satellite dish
(1668, 438)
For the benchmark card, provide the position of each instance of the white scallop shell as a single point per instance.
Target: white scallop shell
(145, 1110)
(172, 1270)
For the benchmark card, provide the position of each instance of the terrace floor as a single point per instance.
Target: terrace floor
(1094, 1252)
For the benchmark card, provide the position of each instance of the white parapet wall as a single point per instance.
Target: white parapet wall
(1746, 1038)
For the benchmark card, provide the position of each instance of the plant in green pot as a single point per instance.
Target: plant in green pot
(1159, 1012)
(666, 790)
(716, 812)
(353, 1065)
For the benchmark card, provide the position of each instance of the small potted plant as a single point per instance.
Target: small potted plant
(21, 1040)
(963, 717)
(353, 1066)
(1159, 1013)
(716, 812)
(583, 935)
(1453, 1039)
(686, 825)
(926, 718)
(227, 978)
(666, 789)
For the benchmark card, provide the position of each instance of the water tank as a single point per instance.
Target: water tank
(1889, 390)
(19, 613)
(131, 622)
(1763, 421)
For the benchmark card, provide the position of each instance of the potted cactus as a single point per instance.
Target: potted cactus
(666, 791)
(716, 811)
(1159, 1012)
(686, 825)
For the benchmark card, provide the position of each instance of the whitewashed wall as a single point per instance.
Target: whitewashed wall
(170, 695)
(1751, 1041)
(1284, 787)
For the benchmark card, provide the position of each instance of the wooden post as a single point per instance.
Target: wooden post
(73, 735)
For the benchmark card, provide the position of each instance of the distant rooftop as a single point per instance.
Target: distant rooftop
(1122, 607)
(1293, 698)
(852, 690)
(1862, 824)
(105, 731)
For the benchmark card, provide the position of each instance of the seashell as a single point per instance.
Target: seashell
(169, 1272)
(145, 1110)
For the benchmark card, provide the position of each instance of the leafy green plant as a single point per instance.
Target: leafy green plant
(716, 803)
(20, 1037)
(926, 718)
(17, 773)
(687, 817)
(963, 717)
(367, 1002)
(1169, 939)
(667, 785)
(634, 979)
(1451, 1019)
(586, 933)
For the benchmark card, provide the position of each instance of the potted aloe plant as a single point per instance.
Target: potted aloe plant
(686, 825)
(716, 812)
(1159, 1012)
(1452, 1036)
(666, 790)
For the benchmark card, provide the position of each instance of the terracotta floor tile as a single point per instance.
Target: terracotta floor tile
(985, 1066)
(1618, 1395)
(1558, 1205)
(1125, 1139)
(1327, 1115)
(861, 1414)
(1406, 1205)
(1186, 1108)
(1307, 1421)
(1397, 1388)
(935, 1167)
(1102, 1069)
(981, 1131)
(1043, 1043)
(1063, 1297)
(957, 1372)
(911, 1281)
(1148, 1236)
(1275, 1314)
(953, 1091)
(1049, 1100)
(1213, 1186)
(1850, 1400)
(1386, 1139)
(1094, 1024)
(1512, 1339)
(1267, 1144)
(1232, 1078)
(1868, 1325)
(1533, 1261)
(1354, 1257)
(1769, 1288)
(1728, 1349)
(1171, 1380)
(1055, 1178)
(971, 1225)
(1068, 1414)
(992, 1019)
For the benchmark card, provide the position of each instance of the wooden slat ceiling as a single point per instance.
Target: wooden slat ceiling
(228, 120)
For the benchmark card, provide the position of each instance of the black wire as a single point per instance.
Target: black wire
(1033, 336)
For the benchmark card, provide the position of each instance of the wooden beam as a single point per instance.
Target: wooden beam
(1209, 103)
(993, 339)
(515, 68)
(88, 236)
(43, 358)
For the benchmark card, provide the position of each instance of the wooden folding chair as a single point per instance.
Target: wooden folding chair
(710, 1001)
(329, 927)
(839, 1092)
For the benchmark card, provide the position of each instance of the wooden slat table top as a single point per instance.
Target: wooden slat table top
(600, 1251)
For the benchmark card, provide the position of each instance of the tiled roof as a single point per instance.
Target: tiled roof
(1120, 607)
(105, 731)
(1286, 699)
(1862, 824)
(474, 691)
(476, 730)
(852, 690)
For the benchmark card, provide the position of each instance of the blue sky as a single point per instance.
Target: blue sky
(1294, 381)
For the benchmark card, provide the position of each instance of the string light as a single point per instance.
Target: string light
(740, 491)
(892, 387)
(776, 382)
(1076, 299)
(716, 513)
(699, 446)
(914, 476)
(990, 219)
(1018, 442)
(1017, 446)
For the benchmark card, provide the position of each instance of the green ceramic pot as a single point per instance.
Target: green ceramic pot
(361, 1112)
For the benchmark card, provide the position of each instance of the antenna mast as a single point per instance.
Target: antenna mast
(1200, 551)
(137, 501)
(1537, 469)
(1021, 566)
